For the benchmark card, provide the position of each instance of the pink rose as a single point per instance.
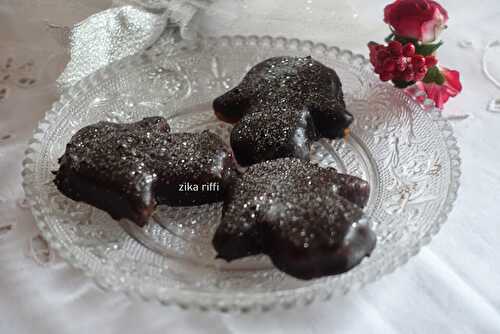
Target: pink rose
(419, 19)
(441, 93)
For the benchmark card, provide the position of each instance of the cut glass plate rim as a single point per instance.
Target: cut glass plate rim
(259, 301)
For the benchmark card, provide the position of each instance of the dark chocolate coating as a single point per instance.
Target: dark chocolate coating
(296, 213)
(273, 90)
(291, 135)
(128, 169)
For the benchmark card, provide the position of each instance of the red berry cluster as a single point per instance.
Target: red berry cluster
(399, 62)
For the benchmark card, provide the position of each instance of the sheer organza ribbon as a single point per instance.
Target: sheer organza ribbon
(129, 27)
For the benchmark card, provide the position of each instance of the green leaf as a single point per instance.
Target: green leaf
(389, 38)
(405, 40)
(434, 75)
(402, 84)
(427, 49)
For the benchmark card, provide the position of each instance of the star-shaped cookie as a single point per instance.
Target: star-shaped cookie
(281, 106)
(306, 218)
(128, 169)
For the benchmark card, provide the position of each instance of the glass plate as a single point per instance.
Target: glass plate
(404, 149)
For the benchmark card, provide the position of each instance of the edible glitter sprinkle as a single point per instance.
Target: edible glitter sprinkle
(109, 160)
(282, 105)
(289, 209)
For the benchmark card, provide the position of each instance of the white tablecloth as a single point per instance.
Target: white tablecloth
(452, 286)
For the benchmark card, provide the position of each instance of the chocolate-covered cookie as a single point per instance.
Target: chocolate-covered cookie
(275, 89)
(302, 216)
(128, 169)
(291, 135)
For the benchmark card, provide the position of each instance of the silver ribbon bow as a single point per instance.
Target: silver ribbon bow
(132, 26)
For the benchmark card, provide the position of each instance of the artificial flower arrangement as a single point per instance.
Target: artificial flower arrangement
(409, 55)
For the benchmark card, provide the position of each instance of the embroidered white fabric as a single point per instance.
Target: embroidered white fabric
(451, 286)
